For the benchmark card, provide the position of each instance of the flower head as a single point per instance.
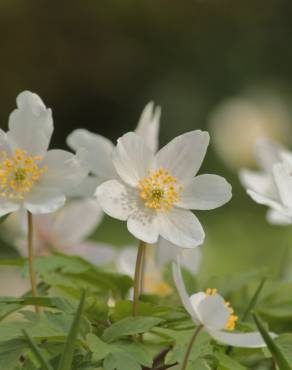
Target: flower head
(63, 232)
(32, 177)
(155, 192)
(156, 260)
(237, 123)
(210, 310)
(100, 149)
(271, 185)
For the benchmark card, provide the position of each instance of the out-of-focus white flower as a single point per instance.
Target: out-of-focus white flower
(12, 282)
(100, 149)
(156, 192)
(66, 231)
(217, 317)
(191, 259)
(270, 186)
(237, 124)
(157, 257)
(31, 177)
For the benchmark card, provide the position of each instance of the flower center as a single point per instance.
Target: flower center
(233, 318)
(19, 173)
(159, 190)
(155, 285)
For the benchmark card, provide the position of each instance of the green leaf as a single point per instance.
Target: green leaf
(101, 350)
(201, 348)
(227, 363)
(3, 218)
(67, 357)
(124, 309)
(254, 299)
(13, 262)
(130, 326)
(120, 361)
(284, 341)
(272, 345)
(75, 273)
(36, 351)
(10, 352)
(31, 301)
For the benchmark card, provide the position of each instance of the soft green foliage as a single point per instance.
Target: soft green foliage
(36, 351)
(108, 337)
(274, 348)
(68, 352)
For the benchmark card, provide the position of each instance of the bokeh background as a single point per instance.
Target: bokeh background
(219, 65)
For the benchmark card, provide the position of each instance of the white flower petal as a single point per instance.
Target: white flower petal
(97, 253)
(195, 300)
(4, 144)
(181, 227)
(184, 155)
(274, 204)
(143, 225)
(283, 179)
(44, 200)
(76, 221)
(286, 156)
(244, 340)
(213, 312)
(181, 289)
(99, 149)
(13, 283)
(86, 188)
(30, 125)
(126, 261)
(8, 206)
(148, 126)
(259, 182)
(65, 170)
(190, 259)
(115, 199)
(268, 153)
(205, 192)
(277, 218)
(132, 158)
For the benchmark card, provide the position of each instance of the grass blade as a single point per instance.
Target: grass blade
(254, 300)
(67, 356)
(272, 345)
(36, 351)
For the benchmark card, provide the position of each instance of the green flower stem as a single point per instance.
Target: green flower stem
(30, 257)
(138, 277)
(190, 346)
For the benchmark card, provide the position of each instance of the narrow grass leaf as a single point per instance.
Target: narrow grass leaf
(67, 356)
(271, 344)
(36, 351)
(254, 299)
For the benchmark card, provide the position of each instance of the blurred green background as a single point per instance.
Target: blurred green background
(97, 63)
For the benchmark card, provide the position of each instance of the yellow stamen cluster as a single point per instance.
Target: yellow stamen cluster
(159, 190)
(233, 318)
(19, 173)
(161, 288)
(211, 291)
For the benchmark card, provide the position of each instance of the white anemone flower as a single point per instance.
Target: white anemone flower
(100, 149)
(31, 177)
(216, 316)
(63, 232)
(156, 260)
(266, 186)
(156, 191)
(238, 122)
